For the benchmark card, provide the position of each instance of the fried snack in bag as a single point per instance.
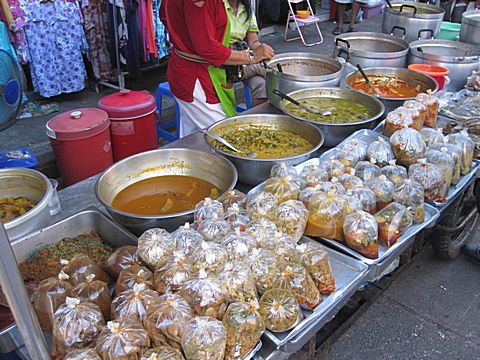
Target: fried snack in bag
(367, 170)
(83, 354)
(134, 303)
(383, 189)
(262, 231)
(131, 276)
(292, 218)
(187, 239)
(167, 320)
(162, 353)
(333, 167)
(356, 147)
(395, 173)
(210, 257)
(282, 169)
(122, 258)
(380, 152)
(206, 209)
(446, 164)
(237, 217)
(315, 259)
(154, 245)
(204, 339)
(264, 266)
(432, 104)
(234, 196)
(411, 194)
(408, 146)
(173, 272)
(238, 245)
(463, 141)
(367, 199)
(80, 267)
(456, 153)
(122, 339)
(361, 233)
(50, 294)
(239, 282)
(430, 177)
(350, 181)
(284, 188)
(96, 292)
(392, 222)
(432, 136)
(244, 326)
(311, 175)
(331, 186)
(214, 229)
(280, 310)
(262, 205)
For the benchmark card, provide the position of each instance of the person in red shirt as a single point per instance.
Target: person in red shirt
(199, 33)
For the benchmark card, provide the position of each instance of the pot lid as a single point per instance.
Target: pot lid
(472, 16)
(127, 104)
(445, 50)
(77, 124)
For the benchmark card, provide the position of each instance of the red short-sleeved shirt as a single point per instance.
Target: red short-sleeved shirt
(196, 27)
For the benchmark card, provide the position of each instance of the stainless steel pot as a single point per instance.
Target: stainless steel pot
(370, 49)
(215, 169)
(470, 30)
(33, 185)
(412, 77)
(336, 133)
(459, 58)
(254, 171)
(412, 20)
(301, 71)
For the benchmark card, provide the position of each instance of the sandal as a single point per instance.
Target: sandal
(351, 29)
(338, 30)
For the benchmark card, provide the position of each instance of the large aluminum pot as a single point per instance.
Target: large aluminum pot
(336, 133)
(412, 20)
(215, 169)
(301, 71)
(412, 77)
(33, 185)
(459, 58)
(370, 49)
(470, 30)
(254, 171)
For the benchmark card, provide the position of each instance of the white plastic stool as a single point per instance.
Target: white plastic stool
(312, 19)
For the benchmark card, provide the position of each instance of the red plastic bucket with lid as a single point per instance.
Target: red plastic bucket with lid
(133, 127)
(439, 73)
(81, 143)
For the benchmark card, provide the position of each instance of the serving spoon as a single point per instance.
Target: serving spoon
(249, 154)
(300, 105)
(376, 93)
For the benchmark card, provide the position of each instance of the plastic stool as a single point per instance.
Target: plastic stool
(248, 98)
(164, 90)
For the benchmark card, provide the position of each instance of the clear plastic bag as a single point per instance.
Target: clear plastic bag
(456, 153)
(395, 173)
(230, 197)
(331, 186)
(333, 167)
(463, 141)
(446, 164)
(83, 354)
(430, 177)
(432, 104)
(122, 258)
(380, 152)
(204, 339)
(420, 108)
(397, 120)
(210, 257)
(206, 209)
(134, 303)
(131, 276)
(75, 325)
(238, 245)
(264, 266)
(383, 189)
(50, 294)
(392, 222)
(162, 353)
(187, 239)
(416, 113)
(167, 320)
(306, 194)
(282, 169)
(361, 233)
(214, 229)
(239, 282)
(94, 291)
(154, 245)
(80, 267)
(367, 199)
(350, 181)
(284, 188)
(237, 217)
(122, 339)
(285, 247)
(173, 272)
(244, 326)
(410, 194)
(315, 259)
(366, 170)
(262, 205)
(408, 146)
(292, 218)
(432, 136)
(280, 310)
(295, 277)
(349, 160)
(262, 231)
(356, 147)
(311, 176)
(354, 203)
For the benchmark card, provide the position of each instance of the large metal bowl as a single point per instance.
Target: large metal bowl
(336, 133)
(33, 185)
(412, 77)
(254, 171)
(215, 169)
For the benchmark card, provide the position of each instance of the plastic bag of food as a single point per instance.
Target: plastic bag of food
(350, 180)
(311, 176)
(446, 164)
(239, 282)
(244, 326)
(284, 188)
(432, 136)
(173, 272)
(392, 222)
(167, 320)
(237, 217)
(366, 170)
(432, 104)
(264, 266)
(206, 209)
(238, 245)
(262, 231)
(397, 120)
(292, 218)
(326, 215)
(331, 186)
(367, 199)
(187, 239)
(285, 247)
(205, 338)
(361, 233)
(262, 205)
(280, 310)
(131, 276)
(162, 353)
(463, 141)
(83, 354)
(122, 339)
(333, 167)
(214, 229)
(380, 152)
(408, 146)
(383, 189)
(306, 194)
(430, 177)
(207, 296)
(410, 194)
(210, 257)
(282, 169)
(421, 108)
(80, 267)
(122, 258)
(50, 294)
(356, 147)
(417, 116)
(75, 325)
(456, 153)
(295, 277)
(349, 160)
(230, 197)
(315, 259)
(395, 173)
(94, 291)
(354, 203)
(154, 245)
(134, 303)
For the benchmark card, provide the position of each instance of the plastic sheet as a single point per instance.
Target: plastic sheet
(408, 146)
(292, 218)
(280, 310)
(173, 272)
(205, 338)
(361, 233)
(350, 180)
(154, 245)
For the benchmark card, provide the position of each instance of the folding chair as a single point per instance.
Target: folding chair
(312, 19)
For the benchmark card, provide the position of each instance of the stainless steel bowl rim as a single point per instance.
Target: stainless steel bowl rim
(436, 10)
(445, 44)
(472, 16)
(374, 36)
(154, 217)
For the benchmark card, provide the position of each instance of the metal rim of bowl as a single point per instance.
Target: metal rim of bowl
(437, 43)
(351, 37)
(314, 128)
(436, 11)
(166, 216)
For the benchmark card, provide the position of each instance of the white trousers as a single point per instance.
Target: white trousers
(198, 114)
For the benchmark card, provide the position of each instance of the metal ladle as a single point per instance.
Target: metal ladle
(300, 105)
(250, 154)
(376, 93)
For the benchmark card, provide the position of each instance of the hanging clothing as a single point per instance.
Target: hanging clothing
(19, 36)
(133, 44)
(150, 27)
(161, 35)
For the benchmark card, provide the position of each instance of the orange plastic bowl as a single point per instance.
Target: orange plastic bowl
(439, 73)
(303, 14)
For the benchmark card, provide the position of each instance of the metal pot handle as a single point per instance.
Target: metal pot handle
(337, 40)
(466, 58)
(425, 30)
(410, 7)
(399, 28)
(341, 49)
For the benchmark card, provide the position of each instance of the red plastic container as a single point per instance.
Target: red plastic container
(81, 143)
(133, 127)
(439, 73)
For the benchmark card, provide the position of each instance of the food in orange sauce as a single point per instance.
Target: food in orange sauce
(387, 86)
(163, 195)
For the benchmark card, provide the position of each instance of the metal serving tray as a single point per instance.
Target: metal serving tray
(349, 274)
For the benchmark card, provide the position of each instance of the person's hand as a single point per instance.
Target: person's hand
(262, 52)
